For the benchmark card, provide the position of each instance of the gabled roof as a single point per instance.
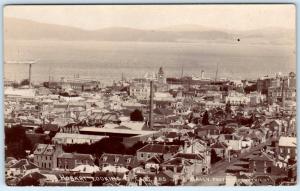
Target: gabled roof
(162, 111)
(44, 149)
(178, 161)
(50, 127)
(207, 127)
(119, 159)
(172, 135)
(219, 145)
(24, 164)
(287, 142)
(155, 159)
(34, 175)
(77, 156)
(189, 156)
(158, 148)
(262, 157)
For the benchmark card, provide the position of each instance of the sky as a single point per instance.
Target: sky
(93, 17)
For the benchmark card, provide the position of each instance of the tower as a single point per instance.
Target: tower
(202, 74)
(29, 77)
(161, 76)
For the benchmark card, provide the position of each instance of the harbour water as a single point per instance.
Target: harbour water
(106, 61)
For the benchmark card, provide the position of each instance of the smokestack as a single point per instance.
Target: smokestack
(151, 105)
(29, 78)
(282, 93)
(202, 74)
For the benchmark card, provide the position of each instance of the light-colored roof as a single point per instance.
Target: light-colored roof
(287, 142)
(86, 168)
(134, 125)
(121, 131)
(19, 92)
(77, 136)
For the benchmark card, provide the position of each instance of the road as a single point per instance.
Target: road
(217, 173)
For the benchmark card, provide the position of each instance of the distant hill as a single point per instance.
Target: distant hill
(20, 29)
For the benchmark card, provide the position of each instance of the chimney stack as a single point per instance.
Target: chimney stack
(29, 78)
(151, 106)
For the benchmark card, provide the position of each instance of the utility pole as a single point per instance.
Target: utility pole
(151, 106)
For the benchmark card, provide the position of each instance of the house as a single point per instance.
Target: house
(153, 163)
(209, 131)
(35, 178)
(198, 148)
(45, 155)
(150, 150)
(233, 141)
(127, 161)
(288, 147)
(261, 164)
(219, 150)
(181, 168)
(22, 167)
(69, 161)
(200, 165)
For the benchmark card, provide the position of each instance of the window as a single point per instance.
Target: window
(104, 158)
(128, 160)
(288, 150)
(142, 155)
(116, 159)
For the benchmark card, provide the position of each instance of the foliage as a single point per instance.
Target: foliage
(205, 119)
(136, 115)
(228, 108)
(24, 82)
(28, 181)
(17, 142)
(106, 145)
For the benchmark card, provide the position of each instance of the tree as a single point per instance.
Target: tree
(136, 115)
(214, 156)
(24, 82)
(132, 150)
(205, 119)
(17, 142)
(228, 108)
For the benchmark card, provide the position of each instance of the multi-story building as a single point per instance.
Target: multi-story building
(151, 150)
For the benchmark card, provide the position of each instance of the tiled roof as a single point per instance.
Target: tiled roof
(262, 157)
(158, 148)
(50, 127)
(155, 159)
(219, 145)
(45, 149)
(189, 156)
(287, 142)
(77, 156)
(35, 175)
(24, 164)
(118, 159)
(177, 161)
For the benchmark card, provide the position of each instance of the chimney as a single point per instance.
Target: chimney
(29, 78)
(185, 147)
(151, 106)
